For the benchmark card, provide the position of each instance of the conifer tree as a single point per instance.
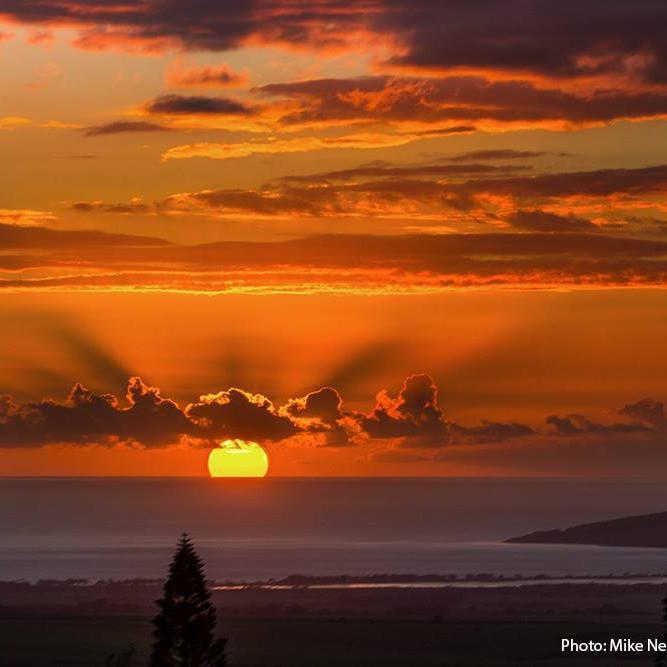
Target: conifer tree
(185, 625)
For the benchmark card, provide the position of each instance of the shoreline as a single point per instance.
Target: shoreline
(350, 582)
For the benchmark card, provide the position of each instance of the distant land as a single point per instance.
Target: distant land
(646, 530)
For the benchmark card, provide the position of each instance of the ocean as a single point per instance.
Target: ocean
(98, 528)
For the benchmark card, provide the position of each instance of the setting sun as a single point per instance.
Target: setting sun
(238, 458)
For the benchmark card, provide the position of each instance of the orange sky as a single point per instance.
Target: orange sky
(455, 227)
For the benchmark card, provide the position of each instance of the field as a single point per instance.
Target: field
(38, 641)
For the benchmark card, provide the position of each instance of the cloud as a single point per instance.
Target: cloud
(415, 417)
(433, 66)
(321, 414)
(85, 417)
(408, 427)
(148, 419)
(145, 419)
(601, 39)
(515, 230)
(500, 154)
(543, 221)
(245, 415)
(134, 206)
(12, 122)
(302, 144)
(596, 183)
(323, 405)
(433, 171)
(205, 77)
(412, 102)
(578, 424)
(217, 25)
(353, 263)
(488, 432)
(194, 105)
(122, 127)
(22, 216)
(414, 411)
(17, 237)
(647, 411)
(486, 194)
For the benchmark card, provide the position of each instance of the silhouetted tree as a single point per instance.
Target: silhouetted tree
(185, 625)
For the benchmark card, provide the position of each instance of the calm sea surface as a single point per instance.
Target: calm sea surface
(256, 529)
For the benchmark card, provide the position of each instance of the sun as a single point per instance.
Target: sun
(238, 458)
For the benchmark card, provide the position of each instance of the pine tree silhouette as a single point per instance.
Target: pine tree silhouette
(185, 625)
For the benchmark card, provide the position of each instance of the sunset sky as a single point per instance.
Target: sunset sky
(377, 237)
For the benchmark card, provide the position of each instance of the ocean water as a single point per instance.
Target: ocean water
(257, 529)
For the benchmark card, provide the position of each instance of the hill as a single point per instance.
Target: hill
(647, 530)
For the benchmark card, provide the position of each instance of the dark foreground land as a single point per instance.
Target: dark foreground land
(61, 624)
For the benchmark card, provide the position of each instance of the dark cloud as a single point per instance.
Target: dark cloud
(499, 154)
(410, 425)
(324, 405)
(431, 260)
(414, 416)
(206, 77)
(531, 205)
(413, 411)
(578, 424)
(86, 417)
(598, 183)
(123, 127)
(262, 202)
(543, 221)
(321, 412)
(103, 207)
(488, 432)
(458, 99)
(647, 411)
(567, 40)
(215, 25)
(239, 414)
(378, 189)
(12, 236)
(178, 105)
(146, 419)
(647, 223)
(433, 171)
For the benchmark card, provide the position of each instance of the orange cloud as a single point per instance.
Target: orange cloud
(359, 141)
(25, 216)
(339, 264)
(11, 122)
(219, 76)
